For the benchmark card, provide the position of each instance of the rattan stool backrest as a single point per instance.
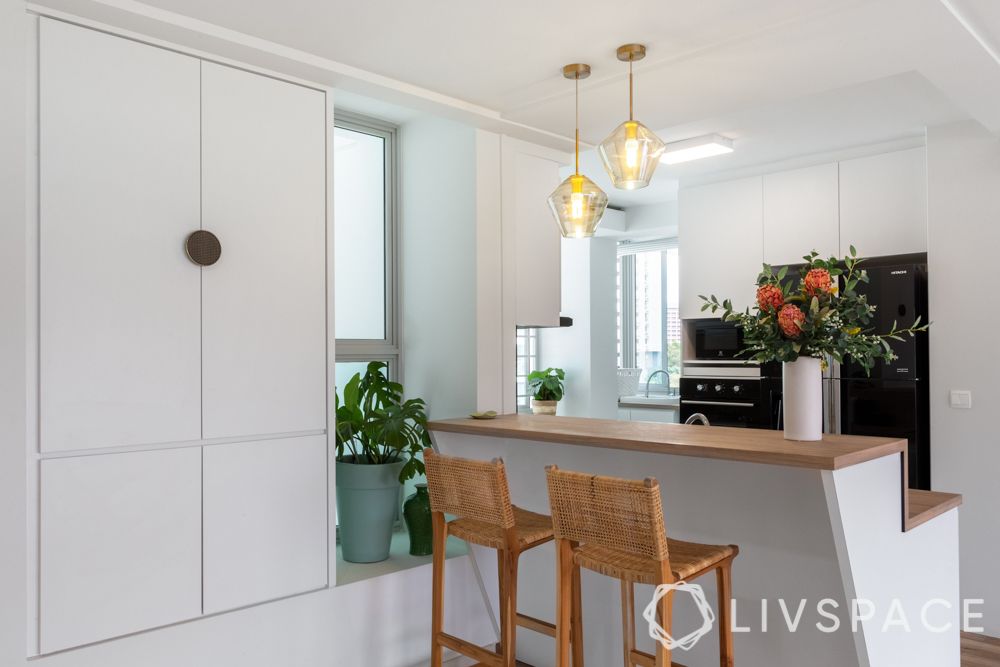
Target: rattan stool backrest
(469, 489)
(620, 514)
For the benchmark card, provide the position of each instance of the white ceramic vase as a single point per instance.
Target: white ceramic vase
(802, 399)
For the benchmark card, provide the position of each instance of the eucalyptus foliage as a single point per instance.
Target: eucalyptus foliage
(375, 425)
(836, 323)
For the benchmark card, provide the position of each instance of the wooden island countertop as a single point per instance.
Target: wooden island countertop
(833, 452)
(713, 442)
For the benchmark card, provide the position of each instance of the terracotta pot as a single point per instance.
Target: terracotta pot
(543, 407)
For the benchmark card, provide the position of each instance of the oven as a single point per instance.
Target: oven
(716, 340)
(744, 402)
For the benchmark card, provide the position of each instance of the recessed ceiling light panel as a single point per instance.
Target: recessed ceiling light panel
(696, 148)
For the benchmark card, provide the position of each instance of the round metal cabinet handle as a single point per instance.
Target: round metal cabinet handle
(203, 247)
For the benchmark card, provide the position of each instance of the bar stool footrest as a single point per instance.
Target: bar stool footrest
(469, 650)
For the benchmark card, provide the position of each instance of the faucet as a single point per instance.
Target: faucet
(653, 375)
(697, 417)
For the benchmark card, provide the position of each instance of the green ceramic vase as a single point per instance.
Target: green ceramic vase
(367, 499)
(417, 514)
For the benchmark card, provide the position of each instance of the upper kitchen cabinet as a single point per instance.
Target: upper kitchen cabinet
(721, 242)
(264, 302)
(801, 214)
(529, 174)
(120, 336)
(883, 203)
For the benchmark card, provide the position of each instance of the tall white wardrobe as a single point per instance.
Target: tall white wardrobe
(182, 431)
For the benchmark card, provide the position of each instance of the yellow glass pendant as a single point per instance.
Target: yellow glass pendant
(578, 204)
(630, 153)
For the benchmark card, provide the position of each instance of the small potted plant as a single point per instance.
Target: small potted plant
(547, 389)
(379, 438)
(802, 323)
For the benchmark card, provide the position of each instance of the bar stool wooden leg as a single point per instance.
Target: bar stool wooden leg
(501, 582)
(665, 612)
(564, 601)
(509, 647)
(628, 620)
(576, 616)
(437, 607)
(725, 584)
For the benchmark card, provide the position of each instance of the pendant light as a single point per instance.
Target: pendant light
(578, 204)
(631, 153)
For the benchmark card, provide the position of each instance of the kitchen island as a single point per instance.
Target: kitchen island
(839, 564)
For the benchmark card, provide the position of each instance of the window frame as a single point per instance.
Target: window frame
(388, 348)
(626, 267)
(532, 357)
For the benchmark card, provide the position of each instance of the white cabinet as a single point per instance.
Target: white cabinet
(801, 214)
(883, 203)
(658, 415)
(264, 196)
(120, 544)
(119, 306)
(265, 520)
(139, 146)
(532, 239)
(721, 243)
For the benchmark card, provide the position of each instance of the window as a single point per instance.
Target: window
(365, 258)
(649, 326)
(527, 361)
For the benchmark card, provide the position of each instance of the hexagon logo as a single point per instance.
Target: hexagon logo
(687, 642)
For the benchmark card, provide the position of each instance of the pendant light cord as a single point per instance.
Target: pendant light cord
(576, 147)
(630, 117)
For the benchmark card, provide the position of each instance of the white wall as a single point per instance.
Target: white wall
(652, 221)
(587, 351)
(13, 358)
(438, 281)
(963, 172)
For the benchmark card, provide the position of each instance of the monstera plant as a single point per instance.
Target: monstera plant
(379, 438)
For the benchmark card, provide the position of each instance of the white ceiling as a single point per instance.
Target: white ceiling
(784, 78)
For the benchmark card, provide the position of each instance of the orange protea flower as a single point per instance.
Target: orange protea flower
(817, 282)
(790, 320)
(769, 297)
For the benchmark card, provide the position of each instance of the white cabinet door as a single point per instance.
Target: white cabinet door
(264, 185)
(801, 214)
(529, 176)
(120, 544)
(119, 320)
(265, 520)
(883, 203)
(721, 243)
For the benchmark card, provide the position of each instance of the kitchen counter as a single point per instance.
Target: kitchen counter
(733, 444)
(827, 520)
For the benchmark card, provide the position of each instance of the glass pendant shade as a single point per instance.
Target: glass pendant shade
(578, 206)
(630, 155)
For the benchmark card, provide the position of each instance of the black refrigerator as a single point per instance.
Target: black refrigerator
(894, 401)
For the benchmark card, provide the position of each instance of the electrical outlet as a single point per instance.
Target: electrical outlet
(960, 399)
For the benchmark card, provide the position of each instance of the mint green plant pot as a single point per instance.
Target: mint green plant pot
(367, 500)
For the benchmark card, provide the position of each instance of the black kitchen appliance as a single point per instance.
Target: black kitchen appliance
(746, 402)
(715, 340)
(894, 401)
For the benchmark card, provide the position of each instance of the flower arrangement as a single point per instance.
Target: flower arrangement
(814, 317)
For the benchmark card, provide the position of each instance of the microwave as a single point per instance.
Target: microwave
(714, 339)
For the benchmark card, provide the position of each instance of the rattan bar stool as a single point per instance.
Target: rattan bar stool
(476, 493)
(615, 527)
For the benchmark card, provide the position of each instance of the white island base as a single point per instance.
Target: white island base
(812, 542)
